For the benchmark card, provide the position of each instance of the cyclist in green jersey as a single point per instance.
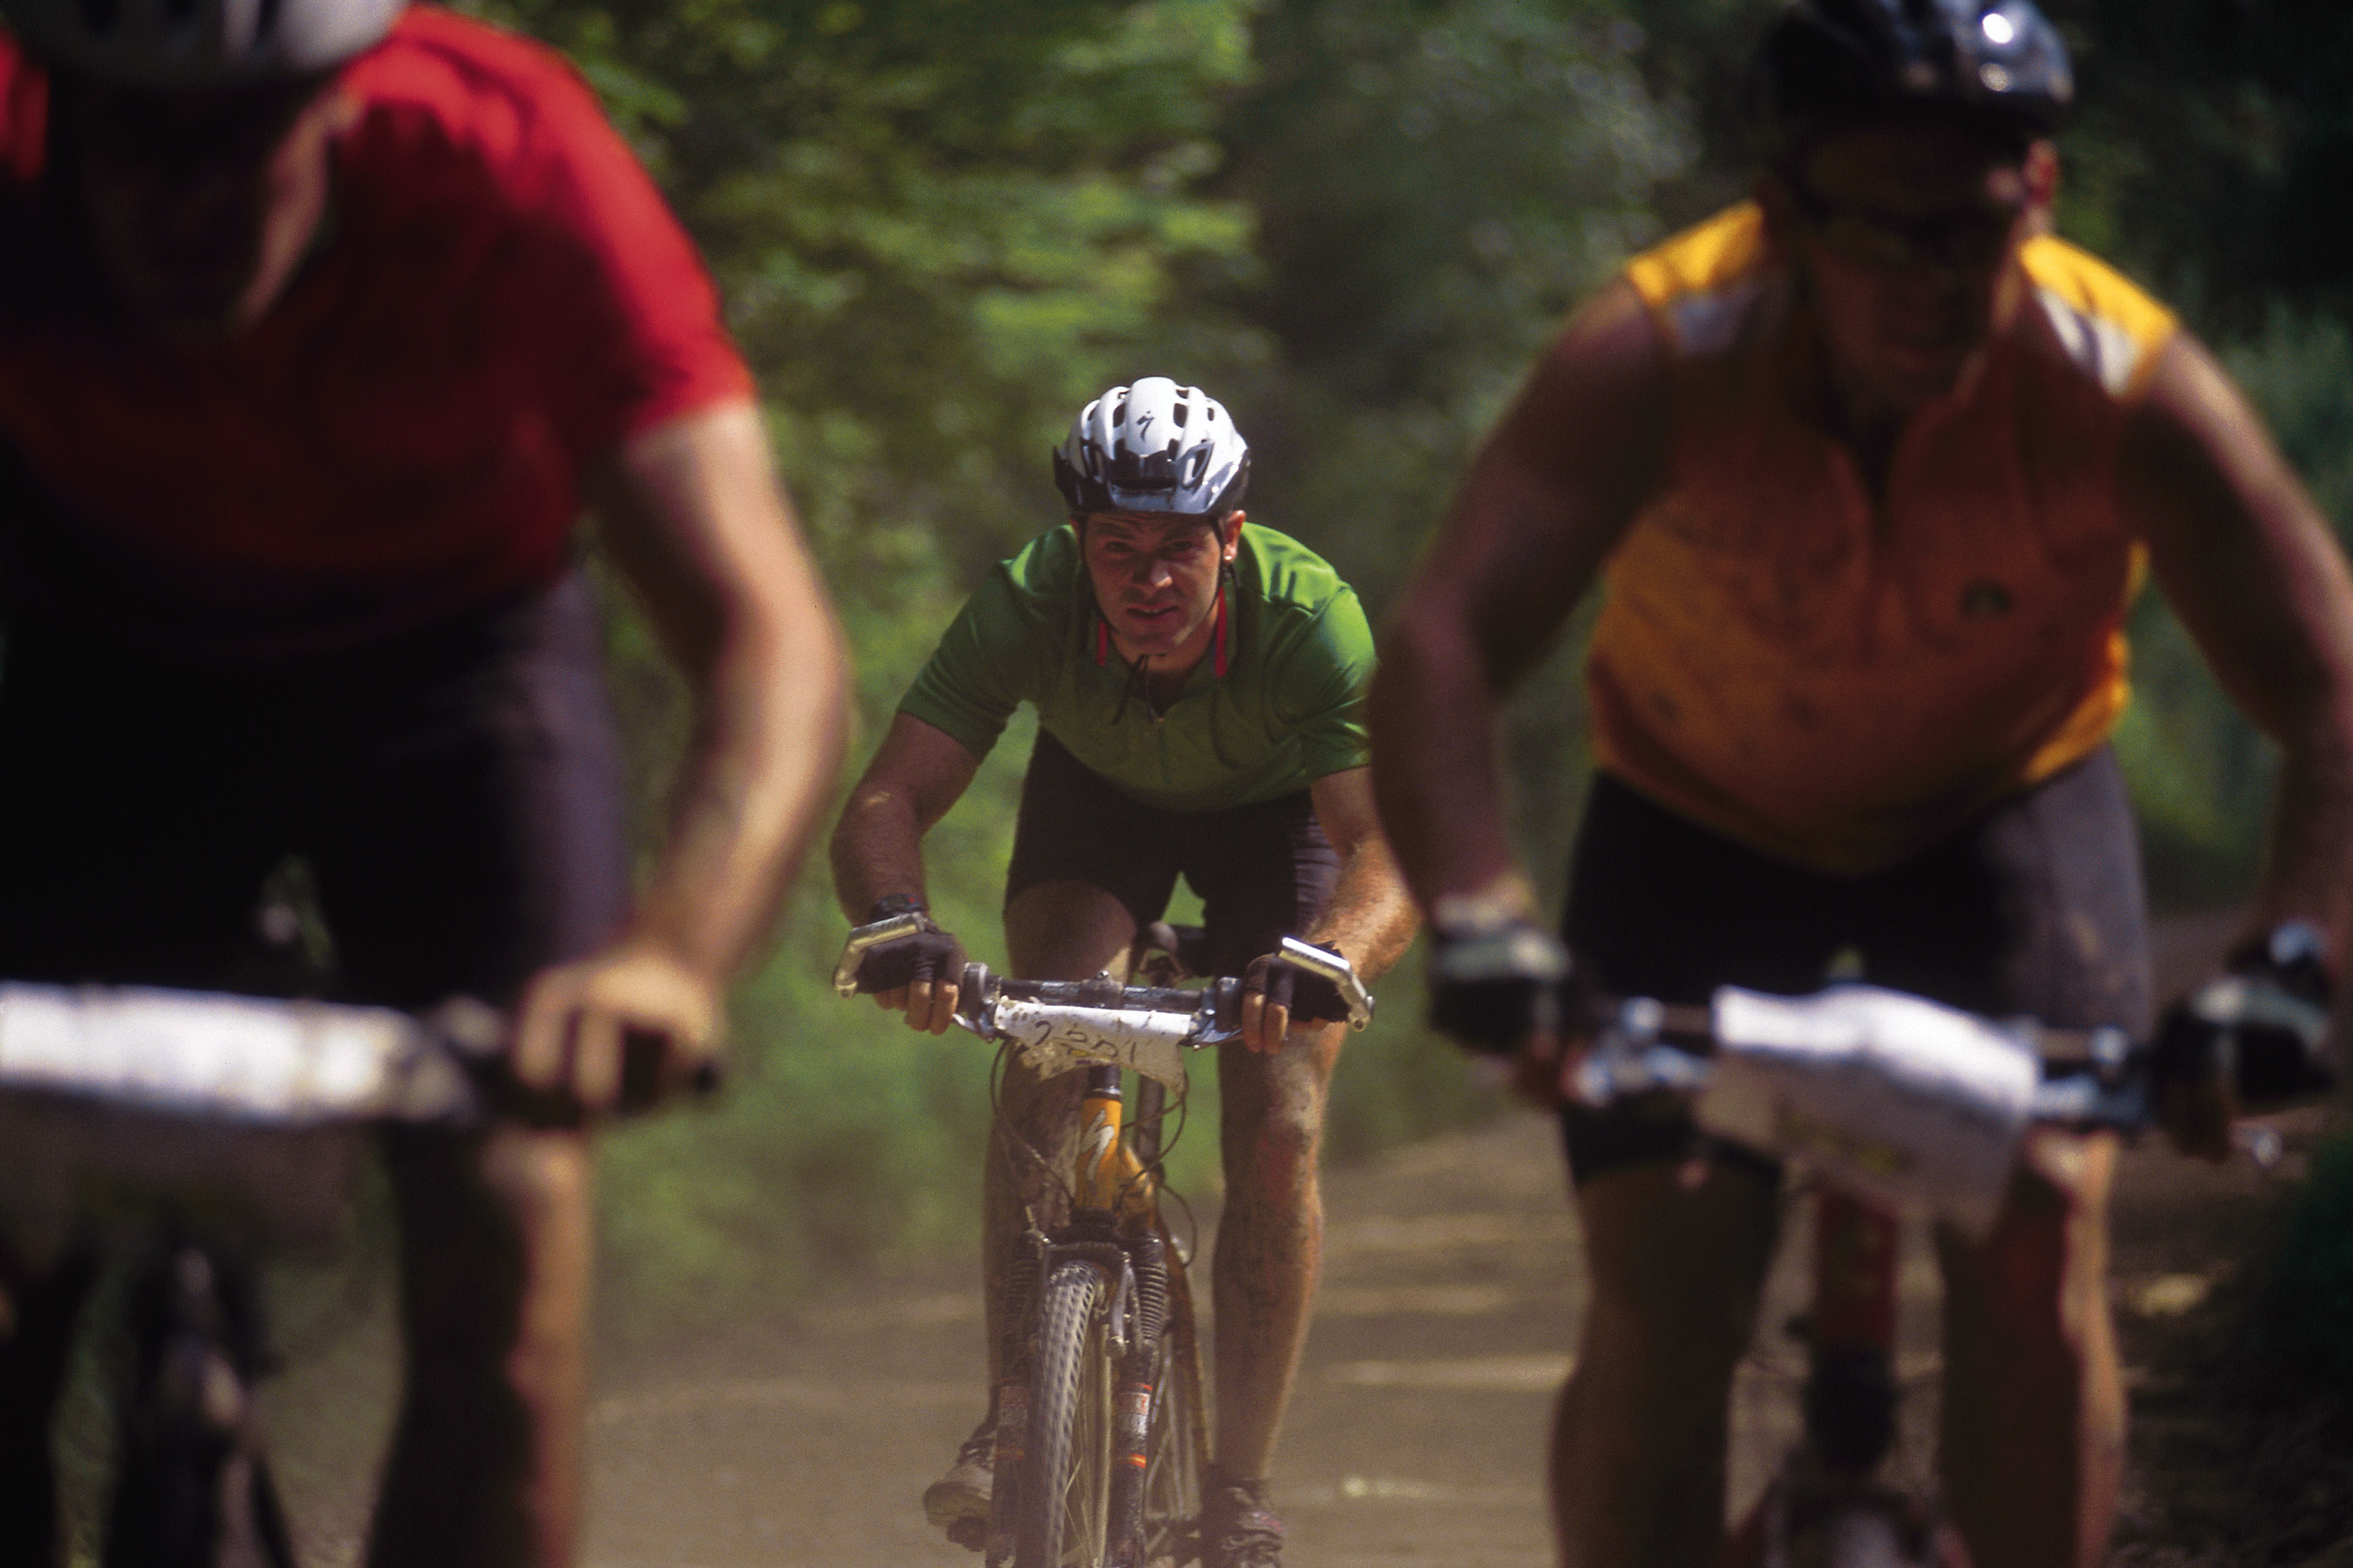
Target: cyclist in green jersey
(1200, 683)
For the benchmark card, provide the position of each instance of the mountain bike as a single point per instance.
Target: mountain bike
(1103, 1423)
(189, 1136)
(1895, 1104)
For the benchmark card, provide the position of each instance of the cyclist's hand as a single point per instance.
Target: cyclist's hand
(2258, 1035)
(635, 1015)
(1497, 987)
(919, 975)
(1277, 993)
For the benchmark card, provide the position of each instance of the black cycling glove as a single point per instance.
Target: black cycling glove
(1311, 999)
(2260, 1031)
(1494, 984)
(930, 953)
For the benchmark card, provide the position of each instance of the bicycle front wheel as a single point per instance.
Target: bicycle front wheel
(1066, 1481)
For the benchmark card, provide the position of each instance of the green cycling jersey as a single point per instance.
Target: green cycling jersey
(1296, 655)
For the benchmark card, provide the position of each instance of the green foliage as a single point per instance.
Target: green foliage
(1435, 185)
(2216, 142)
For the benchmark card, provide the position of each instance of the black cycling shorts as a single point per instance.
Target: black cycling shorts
(1264, 871)
(457, 790)
(2037, 909)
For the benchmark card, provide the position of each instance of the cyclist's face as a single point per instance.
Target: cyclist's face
(201, 206)
(1155, 578)
(1909, 234)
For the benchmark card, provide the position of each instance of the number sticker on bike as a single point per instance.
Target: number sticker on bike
(1057, 1039)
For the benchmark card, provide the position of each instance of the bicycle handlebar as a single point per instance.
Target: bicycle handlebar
(1102, 991)
(1058, 1026)
(1901, 1100)
(979, 985)
(2092, 1078)
(261, 1061)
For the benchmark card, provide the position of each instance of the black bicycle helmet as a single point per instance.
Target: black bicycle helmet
(2000, 63)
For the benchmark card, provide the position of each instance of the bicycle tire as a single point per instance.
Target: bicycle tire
(1177, 1437)
(193, 1488)
(1066, 1479)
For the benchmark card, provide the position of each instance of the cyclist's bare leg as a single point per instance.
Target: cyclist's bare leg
(1270, 1237)
(2033, 1404)
(1054, 931)
(495, 1263)
(1677, 1255)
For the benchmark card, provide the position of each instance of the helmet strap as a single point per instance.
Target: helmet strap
(1221, 644)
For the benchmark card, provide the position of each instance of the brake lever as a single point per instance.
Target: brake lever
(975, 1010)
(1219, 1018)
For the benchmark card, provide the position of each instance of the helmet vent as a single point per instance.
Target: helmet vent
(178, 11)
(100, 15)
(265, 24)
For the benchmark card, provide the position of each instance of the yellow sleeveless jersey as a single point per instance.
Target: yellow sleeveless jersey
(1842, 684)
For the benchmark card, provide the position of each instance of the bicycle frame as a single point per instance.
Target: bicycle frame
(1895, 1103)
(1114, 1228)
(1101, 1287)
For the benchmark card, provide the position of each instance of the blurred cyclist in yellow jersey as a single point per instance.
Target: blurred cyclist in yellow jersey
(1871, 465)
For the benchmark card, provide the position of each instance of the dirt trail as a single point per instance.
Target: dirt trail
(1449, 1309)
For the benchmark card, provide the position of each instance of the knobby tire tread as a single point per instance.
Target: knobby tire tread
(1067, 1342)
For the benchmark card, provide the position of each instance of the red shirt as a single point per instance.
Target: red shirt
(501, 297)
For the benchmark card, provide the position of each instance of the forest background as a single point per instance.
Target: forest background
(940, 224)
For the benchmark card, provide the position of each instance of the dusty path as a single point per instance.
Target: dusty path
(1448, 1312)
(1449, 1315)
(1449, 1309)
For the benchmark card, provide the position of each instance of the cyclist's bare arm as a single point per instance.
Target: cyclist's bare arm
(918, 772)
(1370, 918)
(2250, 566)
(694, 517)
(1546, 502)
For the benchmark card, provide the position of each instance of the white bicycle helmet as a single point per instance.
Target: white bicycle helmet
(1154, 446)
(197, 44)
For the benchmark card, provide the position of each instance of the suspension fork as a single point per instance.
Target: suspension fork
(1114, 1177)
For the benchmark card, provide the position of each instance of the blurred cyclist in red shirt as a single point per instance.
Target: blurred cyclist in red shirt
(321, 324)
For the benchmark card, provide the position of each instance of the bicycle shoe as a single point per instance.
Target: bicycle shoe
(1236, 1530)
(958, 1502)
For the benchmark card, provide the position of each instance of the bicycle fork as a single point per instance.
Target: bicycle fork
(1109, 1226)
